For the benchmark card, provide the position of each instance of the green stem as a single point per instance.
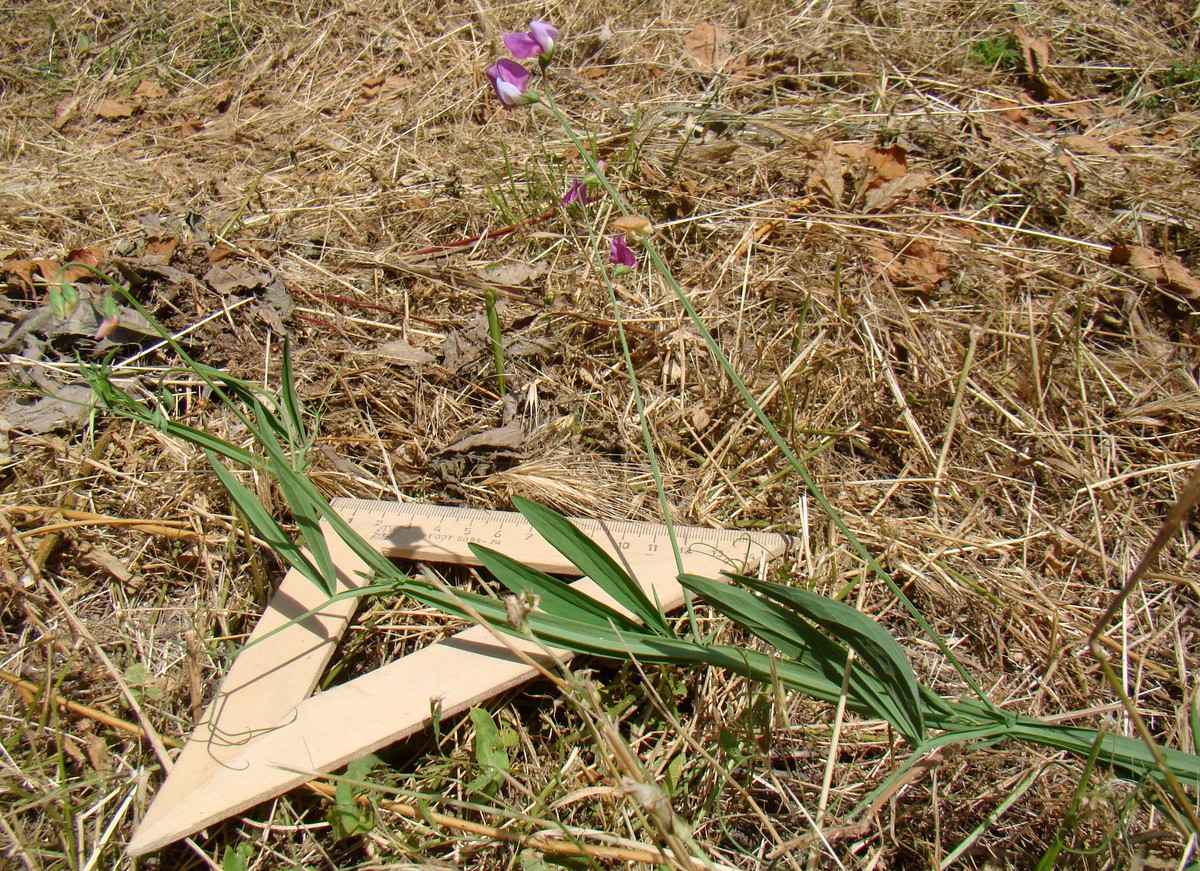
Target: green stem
(664, 271)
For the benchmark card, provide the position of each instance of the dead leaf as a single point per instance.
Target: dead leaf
(22, 272)
(708, 45)
(1013, 112)
(1089, 145)
(85, 257)
(380, 86)
(1157, 268)
(159, 250)
(515, 274)
(712, 153)
(1035, 53)
(633, 226)
(111, 110)
(1035, 63)
(919, 265)
(188, 128)
(68, 407)
(150, 90)
(458, 350)
(825, 170)
(221, 96)
(504, 437)
(400, 351)
(883, 195)
(98, 755)
(889, 163)
(227, 279)
(65, 111)
(220, 252)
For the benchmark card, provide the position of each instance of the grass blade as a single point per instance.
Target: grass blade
(297, 490)
(593, 562)
(557, 598)
(874, 646)
(802, 642)
(265, 526)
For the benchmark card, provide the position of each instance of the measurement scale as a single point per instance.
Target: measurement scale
(265, 732)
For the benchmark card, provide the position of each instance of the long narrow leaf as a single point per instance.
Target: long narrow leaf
(265, 526)
(799, 640)
(292, 406)
(874, 646)
(594, 562)
(299, 499)
(557, 598)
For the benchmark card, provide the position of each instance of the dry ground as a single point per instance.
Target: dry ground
(953, 246)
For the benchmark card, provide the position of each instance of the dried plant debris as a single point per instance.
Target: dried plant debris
(954, 254)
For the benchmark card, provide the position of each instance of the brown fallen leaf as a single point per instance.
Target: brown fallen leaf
(378, 86)
(708, 45)
(880, 196)
(825, 170)
(112, 110)
(515, 273)
(503, 437)
(1089, 145)
(1035, 63)
(220, 97)
(400, 351)
(81, 259)
(150, 90)
(18, 274)
(227, 279)
(889, 163)
(65, 111)
(220, 252)
(1163, 271)
(918, 266)
(159, 250)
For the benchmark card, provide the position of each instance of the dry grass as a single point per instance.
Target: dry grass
(1002, 413)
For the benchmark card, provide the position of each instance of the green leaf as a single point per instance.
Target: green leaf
(346, 816)
(237, 860)
(490, 752)
(801, 641)
(594, 562)
(297, 491)
(265, 526)
(291, 399)
(557, 597)
(877, 649)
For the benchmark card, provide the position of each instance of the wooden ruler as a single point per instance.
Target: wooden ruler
(265, 732)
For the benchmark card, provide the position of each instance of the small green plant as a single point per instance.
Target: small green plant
(1181, 83)
(237, 859)
(492, 744)
(140, 683)
(999, 52)
(347, 816)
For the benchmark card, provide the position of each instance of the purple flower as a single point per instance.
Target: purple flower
(620, 255)
(577, 194)
(539, 42)
(509, 79)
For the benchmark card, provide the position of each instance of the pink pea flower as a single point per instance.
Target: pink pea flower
(621, 256)
(540, 42)
(577, 194)
(510, 79)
